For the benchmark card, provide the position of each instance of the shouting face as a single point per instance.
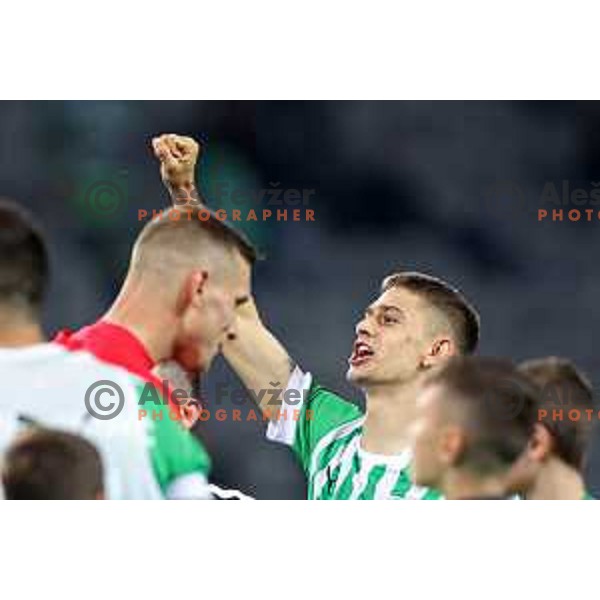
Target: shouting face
(398, 336)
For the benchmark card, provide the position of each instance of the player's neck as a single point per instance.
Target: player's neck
(557, 481)
(390, 412)
(17, 331)
(133, 311)
(459, 484)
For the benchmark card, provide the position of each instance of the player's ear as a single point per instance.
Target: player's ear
(194, 286)
(451, 445)
(540, 443)
(440, 349)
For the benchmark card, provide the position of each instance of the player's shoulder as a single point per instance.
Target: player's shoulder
(55, 363)
(88, 363)
(309, 389)
(328, 414)
(325, 398)
(64, 388)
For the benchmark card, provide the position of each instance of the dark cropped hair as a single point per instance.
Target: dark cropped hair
(181, 226)
(45, 464)
(23, 259)
(564, 387)
(497, 407)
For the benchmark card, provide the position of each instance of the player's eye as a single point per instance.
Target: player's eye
(389, 320)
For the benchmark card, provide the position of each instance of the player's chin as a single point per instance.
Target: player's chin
(359, 375)
(197, 360)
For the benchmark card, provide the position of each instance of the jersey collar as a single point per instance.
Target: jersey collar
(112, 343)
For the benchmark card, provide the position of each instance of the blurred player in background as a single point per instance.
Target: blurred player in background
(23, 277)
(474, 420)
(416, 324)
(552, 468)
(43, 464)
(45, 385)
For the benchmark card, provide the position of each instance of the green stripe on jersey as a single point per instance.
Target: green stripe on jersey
(327, 442)
(375, 476)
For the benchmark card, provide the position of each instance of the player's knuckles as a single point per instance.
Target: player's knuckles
(160, 148)
(188, 148)
(189, 142)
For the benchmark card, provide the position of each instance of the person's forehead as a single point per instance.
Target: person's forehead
(398, 297)
(245, 271)
(243, 274)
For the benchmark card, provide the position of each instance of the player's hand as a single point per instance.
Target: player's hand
(190, 413)
(178, 156)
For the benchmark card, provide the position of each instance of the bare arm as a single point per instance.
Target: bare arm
(258, 358)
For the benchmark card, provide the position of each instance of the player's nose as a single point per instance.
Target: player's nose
(363, 328)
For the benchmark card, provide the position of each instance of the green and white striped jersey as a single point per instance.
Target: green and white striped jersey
(149, 458)
(325, 432)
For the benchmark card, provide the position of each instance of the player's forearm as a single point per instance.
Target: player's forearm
(259, 359)
(183, 194)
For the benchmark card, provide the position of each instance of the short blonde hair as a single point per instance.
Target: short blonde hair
(183, 232)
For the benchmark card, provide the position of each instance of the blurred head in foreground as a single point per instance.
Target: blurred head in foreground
(415, 324)
(553, 464)
(44, 464)
(475, 417)
(23, 276)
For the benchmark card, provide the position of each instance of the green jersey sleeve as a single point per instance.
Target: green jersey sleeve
(180, 462)
(319, 412)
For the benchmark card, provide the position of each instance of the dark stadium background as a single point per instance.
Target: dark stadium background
(451, 188)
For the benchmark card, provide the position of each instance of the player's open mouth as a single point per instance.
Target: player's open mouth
(361, 354)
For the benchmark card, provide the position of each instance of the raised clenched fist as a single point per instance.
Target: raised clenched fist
(178, 156)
